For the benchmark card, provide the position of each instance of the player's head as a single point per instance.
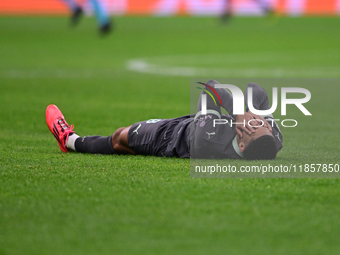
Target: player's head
(259, 145)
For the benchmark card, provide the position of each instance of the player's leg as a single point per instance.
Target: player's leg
(264, 5)
(113, 144)
(68, 140)
(75, 9)
(102, 16)
(141, 138)
(90, 144)
(226, 13)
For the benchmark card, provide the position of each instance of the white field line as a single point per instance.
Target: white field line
(142, 66)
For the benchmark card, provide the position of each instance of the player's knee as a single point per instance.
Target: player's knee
(116, 137)
(119, 139)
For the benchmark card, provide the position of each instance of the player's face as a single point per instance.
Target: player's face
(258, 133)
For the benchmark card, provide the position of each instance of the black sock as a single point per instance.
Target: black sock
(95, 145)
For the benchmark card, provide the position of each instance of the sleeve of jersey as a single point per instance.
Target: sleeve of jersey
(260, 97)
(221, 95)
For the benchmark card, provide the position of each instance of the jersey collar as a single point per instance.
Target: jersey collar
(236, 148)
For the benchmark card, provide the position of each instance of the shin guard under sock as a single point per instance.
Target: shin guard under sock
(94, 145)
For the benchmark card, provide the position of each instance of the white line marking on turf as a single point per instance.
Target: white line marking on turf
(142, 66)
(275, 64)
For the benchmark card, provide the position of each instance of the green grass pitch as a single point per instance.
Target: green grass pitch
(55, 203)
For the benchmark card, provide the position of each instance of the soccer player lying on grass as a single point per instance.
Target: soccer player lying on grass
(187, 136)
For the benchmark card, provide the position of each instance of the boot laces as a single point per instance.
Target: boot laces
(64, 126)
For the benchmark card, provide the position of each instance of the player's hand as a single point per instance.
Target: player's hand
(253, 119)
(258, 117)
(242, 124)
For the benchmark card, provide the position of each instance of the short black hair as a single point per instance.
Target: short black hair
(263, 147)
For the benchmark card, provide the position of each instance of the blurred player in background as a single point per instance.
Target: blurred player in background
(227, 10)
(103, 19)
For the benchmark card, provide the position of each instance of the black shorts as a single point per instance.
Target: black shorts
(151, 137)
